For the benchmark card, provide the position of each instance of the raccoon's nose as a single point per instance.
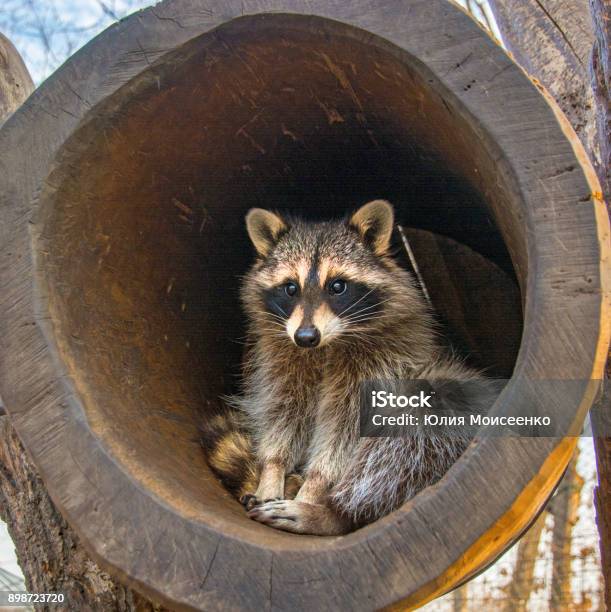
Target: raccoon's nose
(307, 337)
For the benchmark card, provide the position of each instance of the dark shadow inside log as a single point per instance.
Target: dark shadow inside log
(144, 244)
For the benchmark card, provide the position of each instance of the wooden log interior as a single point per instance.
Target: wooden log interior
(125, 181)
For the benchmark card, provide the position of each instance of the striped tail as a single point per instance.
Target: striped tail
(229, 451)
(230, 454)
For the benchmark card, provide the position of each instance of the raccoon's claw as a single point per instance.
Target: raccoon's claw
(249, 501)
(276, 514)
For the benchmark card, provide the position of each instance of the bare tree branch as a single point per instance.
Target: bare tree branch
(46, 36)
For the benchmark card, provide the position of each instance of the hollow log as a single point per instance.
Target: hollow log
(127, 176)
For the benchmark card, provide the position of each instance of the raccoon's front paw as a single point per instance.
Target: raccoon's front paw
(300, 517)
(281, 514)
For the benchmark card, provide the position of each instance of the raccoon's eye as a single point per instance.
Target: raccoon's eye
(338, 286)
(290, 289)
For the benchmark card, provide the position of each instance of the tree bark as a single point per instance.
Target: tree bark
(460, 599)
(552, 40)
(522, 582)
(564, 507)
(600, 68)
(602, 493)
(566, 44)
(48, 550)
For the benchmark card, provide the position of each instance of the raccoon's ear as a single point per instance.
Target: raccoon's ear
(264, 228)
(374, 222)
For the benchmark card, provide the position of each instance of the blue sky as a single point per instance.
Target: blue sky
(47, 32)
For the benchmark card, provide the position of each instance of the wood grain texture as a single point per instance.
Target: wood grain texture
(127, 210)
(552, 40)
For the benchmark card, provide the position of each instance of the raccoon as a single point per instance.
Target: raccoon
(328, 308)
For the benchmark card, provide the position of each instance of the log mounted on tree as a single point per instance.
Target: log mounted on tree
(127, 176)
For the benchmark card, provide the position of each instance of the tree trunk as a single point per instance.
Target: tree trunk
(564, 507)
(522, 582)
(601, 79)
(460, 599)
(602, 495)
(552, 40)
(566, 44)
(48, 550)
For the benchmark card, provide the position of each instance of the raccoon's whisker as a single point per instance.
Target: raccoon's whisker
(365, 339)
(271, 315)
(279, 322)
(366, 316)
(355, 303)
(282, 311)
(276, 330)
(370, 306)
(359, 317)
(267, 313)
(343, 341)
(357, 325)
(373, 313)
(365, 309)
(274, 333)
(362, 342)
